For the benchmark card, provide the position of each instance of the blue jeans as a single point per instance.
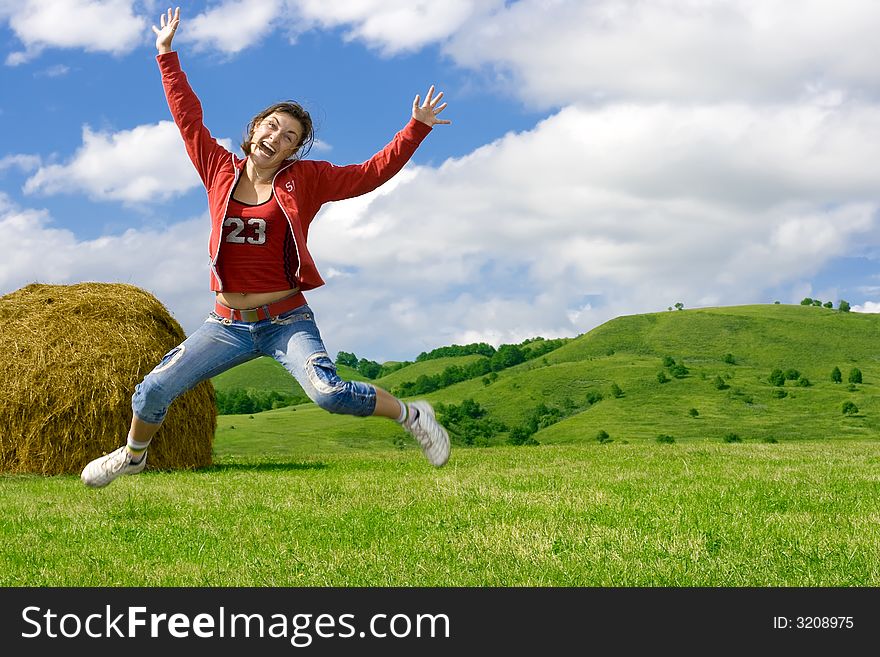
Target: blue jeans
(292, 339)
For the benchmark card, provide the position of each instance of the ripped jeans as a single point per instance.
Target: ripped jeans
(292, 339)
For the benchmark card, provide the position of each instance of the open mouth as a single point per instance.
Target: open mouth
(267, 150)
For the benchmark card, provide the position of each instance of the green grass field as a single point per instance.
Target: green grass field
(795, 514)
(298, 497)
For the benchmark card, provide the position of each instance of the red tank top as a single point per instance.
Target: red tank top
(255, 248)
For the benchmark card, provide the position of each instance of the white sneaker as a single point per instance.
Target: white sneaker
(105, 469)
(430, 434)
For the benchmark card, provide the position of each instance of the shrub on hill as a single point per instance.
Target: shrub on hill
(732, 438)
(694, 412)
(469, 423)
(849, 408)
(603, 437)
(720, 383)
(729, 359)
(478, 348)
(507, 355)
(367, 368)
(792, 374)
(662, 378)
(665, 439)
(521, 436)
(843, 306)
(836, 375)
(679, 371)
(594, 397)
(777, 377)
(237, 401)
(804, 382)
(616, 392)
(855, 375)
(668, 361)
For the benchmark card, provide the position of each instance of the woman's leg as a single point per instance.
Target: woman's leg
(213, 348)
(294, 341)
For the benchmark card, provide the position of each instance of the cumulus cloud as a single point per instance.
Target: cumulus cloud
(93, 25)
(170, 261)
(389, 25)
(232, 26)
(562, 51)
(551, 231)
(867, 307)
(146, 163)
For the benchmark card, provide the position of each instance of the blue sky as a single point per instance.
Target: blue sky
(605, 158)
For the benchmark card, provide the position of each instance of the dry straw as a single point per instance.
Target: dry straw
(74, 354)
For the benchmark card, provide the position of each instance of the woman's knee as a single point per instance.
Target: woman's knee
(332, 393)
(150, 400)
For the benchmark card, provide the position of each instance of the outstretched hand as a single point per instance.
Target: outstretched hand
(427, 112)
(165, 35)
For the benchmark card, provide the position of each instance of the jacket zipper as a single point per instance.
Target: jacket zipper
(236, 174)
(289, 222)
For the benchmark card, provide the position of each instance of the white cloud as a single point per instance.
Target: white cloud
(146, 163)
(584, 218)
(20, 161)
(93, 25)
(170, 261)
(389, 25)
(554, 52)
(867, 307)
(231, 26)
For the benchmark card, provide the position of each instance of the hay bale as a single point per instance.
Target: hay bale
(74, 354)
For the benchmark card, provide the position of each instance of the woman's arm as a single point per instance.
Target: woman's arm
(206, 154)
(337, 183)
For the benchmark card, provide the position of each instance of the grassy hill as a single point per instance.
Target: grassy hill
(629, 351)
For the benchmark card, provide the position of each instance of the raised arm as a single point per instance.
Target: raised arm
(206, 154)
(337, 183)
(165, 33)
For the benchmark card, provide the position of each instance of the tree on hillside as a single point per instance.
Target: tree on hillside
(817, 303)
(720, 383)
(843, 306)
(369, 368)
(806, 301)
(828, 304)
(849, 408)
(347, 359)
(792, 374)
(729, 359)
(836, 375)
(855, 375)
(679, 306)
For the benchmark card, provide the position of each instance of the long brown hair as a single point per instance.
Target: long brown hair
(293, 109)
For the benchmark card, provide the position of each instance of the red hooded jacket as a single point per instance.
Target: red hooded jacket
(301, 186)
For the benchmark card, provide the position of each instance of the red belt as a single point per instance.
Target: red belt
(262, 312)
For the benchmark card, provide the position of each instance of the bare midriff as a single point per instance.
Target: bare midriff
(245, 300)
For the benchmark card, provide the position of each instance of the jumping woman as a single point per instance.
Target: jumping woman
(261, 208)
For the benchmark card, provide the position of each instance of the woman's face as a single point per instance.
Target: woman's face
(275, 139)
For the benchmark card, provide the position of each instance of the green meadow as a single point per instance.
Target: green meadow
(754, 488)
